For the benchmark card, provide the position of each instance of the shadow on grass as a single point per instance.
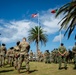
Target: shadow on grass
(6, 71)
(33, 71)
(23, 67)
(29, 71)
(64, 68)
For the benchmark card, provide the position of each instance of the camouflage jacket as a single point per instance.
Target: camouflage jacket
(61, 49)
(10, 52)
(24, 48)
(3, 50)
(46, 54)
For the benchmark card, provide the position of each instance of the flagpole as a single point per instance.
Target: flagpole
(60, 34)
(60, 37)
(38, 30)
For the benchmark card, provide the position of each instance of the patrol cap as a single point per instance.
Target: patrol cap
(12, 48)
(18, 42)
(62, 44)
(47, 50)
(3, 44)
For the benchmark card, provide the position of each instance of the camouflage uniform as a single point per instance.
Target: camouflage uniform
(16, 54)
(55, 56)
(41, 57)
(24, 56)
(62, 56)
(7, 56)
(31, 55)
(52, 55)
(74, 51)
(47, 56)
(10, 54)
(2, 54)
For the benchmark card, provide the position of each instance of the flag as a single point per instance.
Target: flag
(34, 15)
(54, 11)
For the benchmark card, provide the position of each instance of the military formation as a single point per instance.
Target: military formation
(15, 55)
(20, 53)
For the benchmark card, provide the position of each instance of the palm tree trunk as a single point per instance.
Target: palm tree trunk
(37, 47)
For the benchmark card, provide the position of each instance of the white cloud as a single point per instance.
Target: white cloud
(70, 47)
(49, 22)
(14, 30)
(58, 38)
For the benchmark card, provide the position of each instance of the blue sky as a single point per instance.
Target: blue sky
(15, 21)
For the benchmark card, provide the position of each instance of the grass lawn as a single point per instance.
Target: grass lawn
(39, 68)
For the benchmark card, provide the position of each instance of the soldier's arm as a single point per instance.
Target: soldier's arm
(20, 45)
(65, 51)
(59, 52)
(5, 50)
(28, 47)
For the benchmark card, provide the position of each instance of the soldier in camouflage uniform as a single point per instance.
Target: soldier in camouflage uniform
(74, 51)
(24, 49)
(2, 54)
(62, 56)
(31, 55)
(47, 56)
(16, 54)
(7, 56)
(56, 56)
(41, 57)
(10, 54)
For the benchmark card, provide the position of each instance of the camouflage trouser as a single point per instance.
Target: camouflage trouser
(11, 60)
(25, 59)
(62, 59)
(16, 62)
(2, 60)
(75, 60)
(47, 59)
(7, 61)
(55, 59)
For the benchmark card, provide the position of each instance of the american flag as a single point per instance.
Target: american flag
(34, 15)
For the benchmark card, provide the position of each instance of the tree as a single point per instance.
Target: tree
(69, 20)
(33, 36)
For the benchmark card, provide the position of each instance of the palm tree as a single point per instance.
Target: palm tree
(33, 36)
(69, 20)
